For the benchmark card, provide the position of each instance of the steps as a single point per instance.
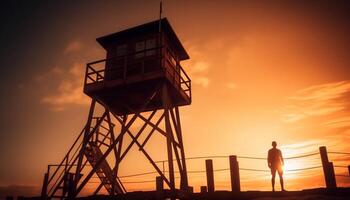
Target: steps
(104, 171)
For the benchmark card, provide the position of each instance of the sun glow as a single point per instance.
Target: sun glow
(290, 166)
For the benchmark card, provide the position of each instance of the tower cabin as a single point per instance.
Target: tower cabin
(139, 60)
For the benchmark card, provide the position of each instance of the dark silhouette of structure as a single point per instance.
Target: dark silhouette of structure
(140, 79)
(328, 169)
(275, 162)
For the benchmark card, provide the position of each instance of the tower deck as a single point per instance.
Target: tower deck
(132, 83)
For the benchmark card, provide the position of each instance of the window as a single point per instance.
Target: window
(171, 57)
(139, 47)
(145, 48)
(122, 50)
(150, 44)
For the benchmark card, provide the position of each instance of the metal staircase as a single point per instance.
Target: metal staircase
(61, 180)
(103, 171)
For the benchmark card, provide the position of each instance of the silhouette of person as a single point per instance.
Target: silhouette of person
(275, 162)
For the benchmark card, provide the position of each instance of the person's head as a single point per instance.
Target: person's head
(274, 144)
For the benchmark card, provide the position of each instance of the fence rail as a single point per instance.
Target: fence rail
(328, 169)
(125, 177)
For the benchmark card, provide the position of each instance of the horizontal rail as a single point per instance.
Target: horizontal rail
(335, 152)
(67, 155)
(222, 169)
(340, 166)
(243, 157)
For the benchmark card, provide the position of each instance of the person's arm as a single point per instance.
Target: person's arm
(269, 159)
(282, 160)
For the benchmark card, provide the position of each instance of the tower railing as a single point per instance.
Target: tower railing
(140, 63)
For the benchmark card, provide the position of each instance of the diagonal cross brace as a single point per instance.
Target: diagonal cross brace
(114, 143)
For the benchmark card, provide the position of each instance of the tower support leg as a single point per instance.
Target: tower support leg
(184, 178)
(85, 140)
(92, 150)
(168, 136)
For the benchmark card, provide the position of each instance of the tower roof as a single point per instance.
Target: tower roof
(153, 26)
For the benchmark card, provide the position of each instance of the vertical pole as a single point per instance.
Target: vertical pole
(327, 168)
(333, 181)
(168, 132)
(324, 159)
(210, 175)
(117, 150)
(234, 172)
(190, 189)
(184, 178)
(160, 15)
(159, 187)
(44, 188)
(203, 189)
(349, 169)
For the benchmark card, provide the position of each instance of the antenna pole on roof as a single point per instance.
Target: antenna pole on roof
(160, 14)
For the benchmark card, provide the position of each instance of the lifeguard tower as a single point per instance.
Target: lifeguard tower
(140, 79)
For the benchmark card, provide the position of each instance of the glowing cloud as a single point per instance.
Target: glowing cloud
(318, 100)
(69, 90)
(73, 47)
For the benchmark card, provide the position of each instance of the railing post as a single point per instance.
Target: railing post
(86, 74)
(328, 169)
(234, 172)
(349, 169)
(159, 187)
(210, 175)
(190, 189)
(203, 189)
(332, 175)
(44, 188)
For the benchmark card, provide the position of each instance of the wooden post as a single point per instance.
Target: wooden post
(234, 172)
(203, 189)
(44, 188)
(190, 189)
(333, 181)
(159, 187)
(210, 175)
(328, 169)
(349, 169)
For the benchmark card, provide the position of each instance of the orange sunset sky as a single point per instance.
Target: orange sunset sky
(260, 70)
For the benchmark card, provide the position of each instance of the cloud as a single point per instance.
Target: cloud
(304, 147)
(68, 96)
(73, 46)
(322, 111)
(199, 66)
(232, 86)
(318, 100)
(340, 122)
(202, 81)
(63, 83)
(69, 91)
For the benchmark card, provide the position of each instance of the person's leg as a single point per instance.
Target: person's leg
(280, 174)
(273, 173)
